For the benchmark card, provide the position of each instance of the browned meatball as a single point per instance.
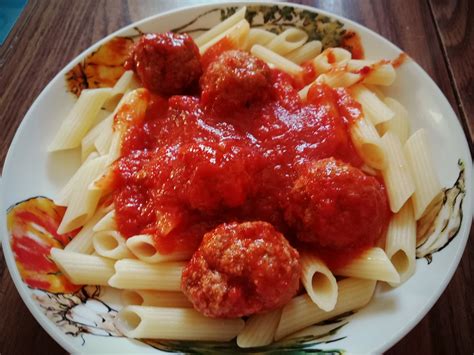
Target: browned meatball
(241, 269)
(235, 81)
(336, 205)
(166, 63)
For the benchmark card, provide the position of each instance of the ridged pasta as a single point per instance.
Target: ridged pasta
(82, 269)
(302, 312)
(319, 282)
(372, 264)
(174, 323)
(396, 174)
(400, 244)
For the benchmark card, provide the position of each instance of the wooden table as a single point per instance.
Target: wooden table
(438, 34)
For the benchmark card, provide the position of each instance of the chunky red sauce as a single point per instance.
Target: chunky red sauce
(401, 59)
(352, 42)
(185, 170)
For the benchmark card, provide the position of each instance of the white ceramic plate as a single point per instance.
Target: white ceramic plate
(80, 322)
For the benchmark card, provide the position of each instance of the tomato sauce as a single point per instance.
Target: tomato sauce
(401, 59)
(185, 170)
(352, 42)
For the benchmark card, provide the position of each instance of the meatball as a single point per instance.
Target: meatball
(335, 205)
(241, 269)
(166, 63)
(235, 81)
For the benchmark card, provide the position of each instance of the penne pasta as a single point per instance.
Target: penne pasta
(367, 142)
(319, 282)
(155, 298)
(111, 244)
(427, 187)
(88, 142)
(259, 330)
(143, 247)
(80, 119)
(329, 58)
(84, 197)
(106, 223)
(399, 124)
(82, 242)
(276, 60)
(302, 312)
(83, 269)
(396, 175)
(400, 244)
(237, 35)
(373, 107)
(305, 53)
(287, 41)
(174, 323)
(221, 27)
(136, 274)
(378, 72)
(338, 78)
(372, 264)
(258, 36)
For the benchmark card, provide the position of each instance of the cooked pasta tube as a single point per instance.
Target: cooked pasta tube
(174, 323)
(111, 244)
(259, 330)
(155, 298)
(399, 124)
(372, 264)
(103, 140)
(367, 142)
(379, 72)
(80, 119)
(427, 187)
(319, 282)
(88, 142)
(306, 52)
(221, 27)
(400, 244)
(82, 242)
(258, 36)
(115, 148)
(143, 247)
(287, 41)
(84, 196)
(302, 312)
(82, 269)
(126, 82)
(65, 194)
(106, 223)
(236, 34)
(373, 107)
(396, 174)
(338, 78)
(137, 274)
(277, 60)
(330, 58)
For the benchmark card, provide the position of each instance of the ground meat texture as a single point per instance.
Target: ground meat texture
(235, 81)
(241, 269)
(335, 205)
(166, 63)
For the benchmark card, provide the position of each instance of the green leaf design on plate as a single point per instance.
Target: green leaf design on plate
(277, 19)
(305, 342)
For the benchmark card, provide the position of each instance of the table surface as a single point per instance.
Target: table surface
(438, 34)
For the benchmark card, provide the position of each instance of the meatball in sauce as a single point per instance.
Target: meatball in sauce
(241, 269)
(335, 205)
(166, 63)
(235, 81)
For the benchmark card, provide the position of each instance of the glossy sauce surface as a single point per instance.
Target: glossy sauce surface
(186, 169)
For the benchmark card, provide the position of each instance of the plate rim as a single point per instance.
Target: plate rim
(60, 337)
